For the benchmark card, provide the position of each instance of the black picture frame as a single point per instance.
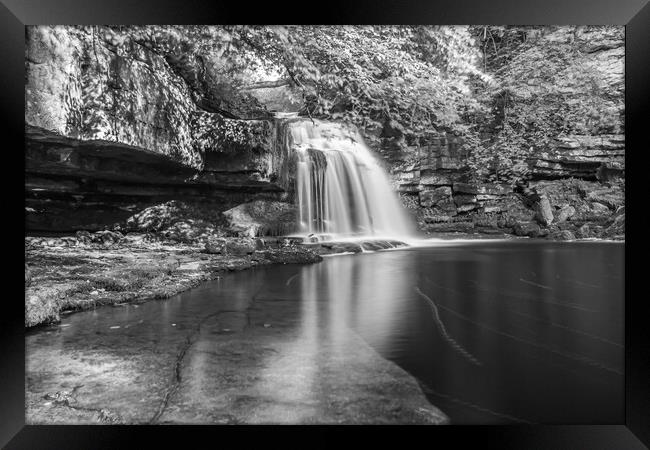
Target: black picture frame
(15, 14)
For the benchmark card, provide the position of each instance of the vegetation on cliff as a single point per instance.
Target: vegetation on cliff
(507, 91)
(548, 83)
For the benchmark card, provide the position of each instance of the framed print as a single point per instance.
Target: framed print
(406, 215)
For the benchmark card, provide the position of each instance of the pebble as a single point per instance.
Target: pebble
(114, 327)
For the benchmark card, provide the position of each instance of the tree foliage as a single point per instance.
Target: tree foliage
(413, 78)
(507, 91)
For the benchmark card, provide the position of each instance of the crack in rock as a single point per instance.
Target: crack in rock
(189, 341)
(176, 381)
(66, 399)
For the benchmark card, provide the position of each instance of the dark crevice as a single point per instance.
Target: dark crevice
(189, 341)
(178, 366)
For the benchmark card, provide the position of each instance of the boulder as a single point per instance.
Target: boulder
(260, 218)
(530, 229)
(544, 211)
(188, 222)
(565, 213)
(584, 232)
(563, 235)
(239, 248)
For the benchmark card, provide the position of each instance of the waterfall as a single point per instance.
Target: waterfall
(341, 189)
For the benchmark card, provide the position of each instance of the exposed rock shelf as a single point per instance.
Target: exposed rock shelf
(66, 274)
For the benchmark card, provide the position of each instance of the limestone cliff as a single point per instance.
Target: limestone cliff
(113, 126)
(567, 86)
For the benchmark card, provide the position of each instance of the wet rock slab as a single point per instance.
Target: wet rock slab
(360, 246)
(271, 372)
(251, 359)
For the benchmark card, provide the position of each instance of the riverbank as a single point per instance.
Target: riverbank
(73, 273)
(64, 274)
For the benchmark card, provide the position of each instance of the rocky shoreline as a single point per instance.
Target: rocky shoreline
(73, 273)
(558, 209)
(65, 274)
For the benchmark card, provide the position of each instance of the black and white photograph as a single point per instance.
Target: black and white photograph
(324, 224)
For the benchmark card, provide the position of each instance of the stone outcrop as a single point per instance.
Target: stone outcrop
(75, 184)
(433, 197)
(599, 157)
(553, 208)
(439, 163)
(260, 218)
(114, 126)
(81, 85)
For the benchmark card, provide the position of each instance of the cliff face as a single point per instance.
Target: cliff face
(81, 86)
(581, 95)
(113, 126)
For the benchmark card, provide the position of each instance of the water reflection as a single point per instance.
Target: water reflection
(495, 332)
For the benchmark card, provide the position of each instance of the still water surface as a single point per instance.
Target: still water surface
(494, 332)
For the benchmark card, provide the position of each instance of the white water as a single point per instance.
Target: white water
(341, 188)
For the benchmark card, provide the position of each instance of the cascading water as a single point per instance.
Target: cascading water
(341, 189)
